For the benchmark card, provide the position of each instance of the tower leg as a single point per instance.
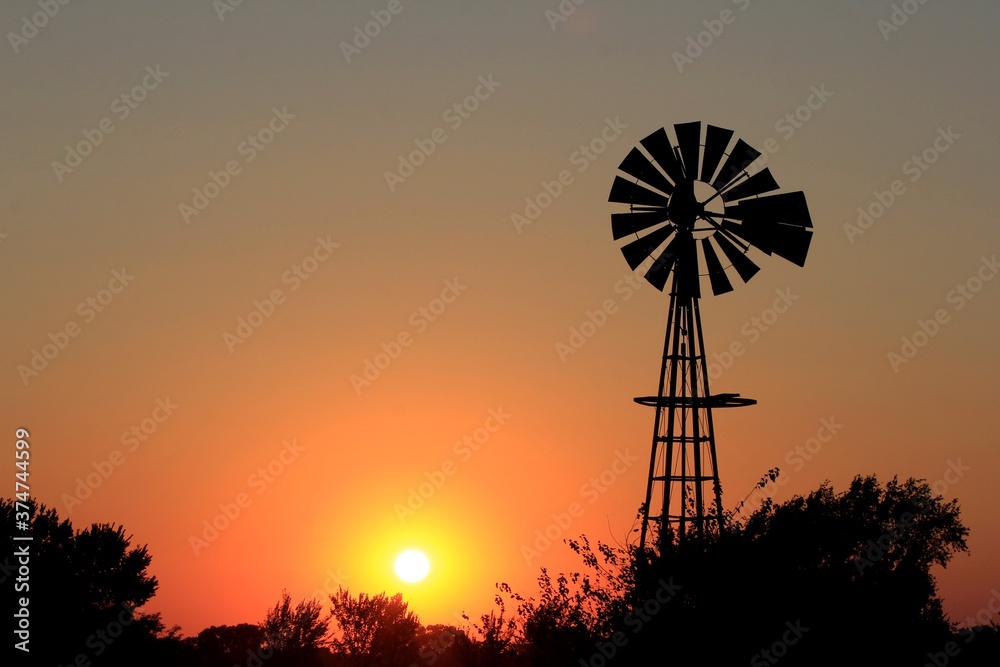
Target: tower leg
(683, 492)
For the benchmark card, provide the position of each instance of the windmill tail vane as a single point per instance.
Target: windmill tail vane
(686, 202)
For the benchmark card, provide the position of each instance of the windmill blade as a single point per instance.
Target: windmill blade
(759, 183)
(716, 142)
(733, 213)
(789, 208)
(687, 268)
(689, 143)
(638, 165)
(792, 243)
(744, 265)
(658, 145)
(624, 224)
(637, 251)
(716, 274)
(664, 264)
(760, 234)
(743, 156)
(627, 192)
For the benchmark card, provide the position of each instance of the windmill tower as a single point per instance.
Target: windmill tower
(682, 207)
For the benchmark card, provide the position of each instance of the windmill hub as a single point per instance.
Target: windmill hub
(684, 207)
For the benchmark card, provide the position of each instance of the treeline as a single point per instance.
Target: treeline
(825, 579)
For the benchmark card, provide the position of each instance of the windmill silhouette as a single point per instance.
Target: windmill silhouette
(682, 206)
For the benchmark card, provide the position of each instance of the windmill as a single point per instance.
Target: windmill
(683, 209)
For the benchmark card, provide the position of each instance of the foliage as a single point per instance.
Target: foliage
(374, 630)
(301, 628)
(228, 645)
(495, 634)
(80, 584)
(854, 567)
(446, 646)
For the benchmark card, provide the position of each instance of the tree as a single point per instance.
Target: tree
(301, 628)
(495, 642)
(229, 644)
(572, 612)
(83, 588)
(294, 635)
(846, 575)
(445, 646)
(376, 630)
(826, 578)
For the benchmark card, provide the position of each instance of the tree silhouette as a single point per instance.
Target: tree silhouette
(496, 634)
(84, 589)
(294, 635)
(854, 568)
(301, 628)
(227, 645)
(374, 631)
(826, 578)
(446, 646)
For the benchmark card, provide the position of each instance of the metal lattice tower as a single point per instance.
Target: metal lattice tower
(682, 206)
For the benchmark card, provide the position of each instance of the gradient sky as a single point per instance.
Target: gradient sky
(330, 510)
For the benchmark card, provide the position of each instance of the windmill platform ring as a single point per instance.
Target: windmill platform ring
(716, 401)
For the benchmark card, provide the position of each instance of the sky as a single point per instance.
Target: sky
(285, 298)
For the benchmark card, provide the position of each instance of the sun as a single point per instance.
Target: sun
(412, 565)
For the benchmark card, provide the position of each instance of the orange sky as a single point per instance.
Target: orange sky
(281, 140)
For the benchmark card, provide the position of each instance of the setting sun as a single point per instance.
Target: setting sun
(412, 565)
